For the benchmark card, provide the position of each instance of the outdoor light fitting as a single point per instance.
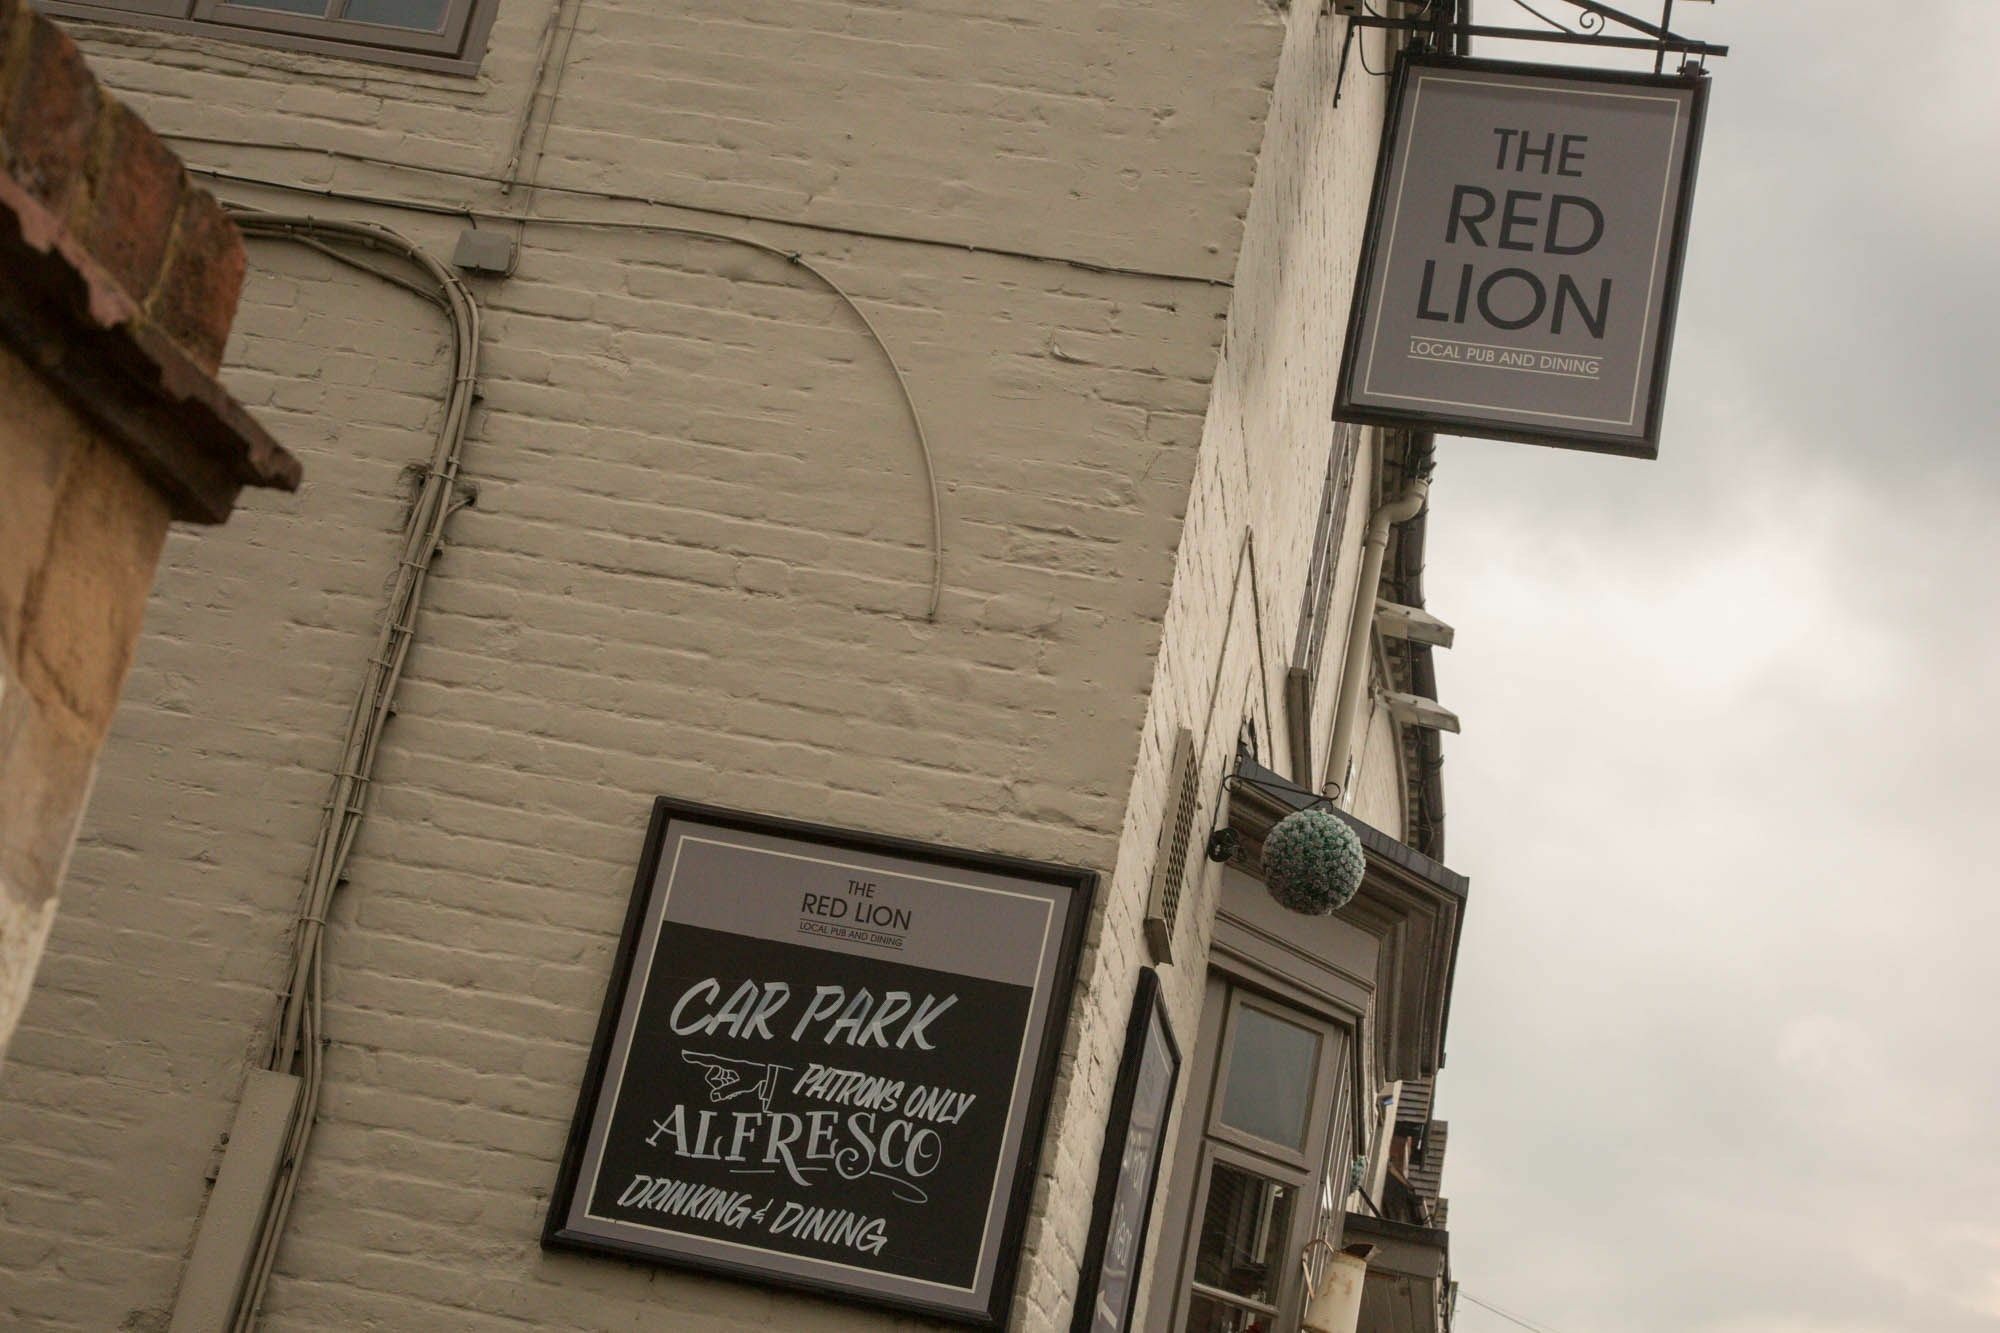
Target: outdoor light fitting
(1223, 843)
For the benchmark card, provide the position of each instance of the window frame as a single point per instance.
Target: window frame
(1205, 1140)
(1298, 1156)
(443, 41)
(1298, 1180)
(458, 47)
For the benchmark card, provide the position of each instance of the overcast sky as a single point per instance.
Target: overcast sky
(1723, 1055)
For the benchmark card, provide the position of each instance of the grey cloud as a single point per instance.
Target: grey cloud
(1723, 1054)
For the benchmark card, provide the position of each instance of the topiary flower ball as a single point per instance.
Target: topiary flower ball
(1313, 862)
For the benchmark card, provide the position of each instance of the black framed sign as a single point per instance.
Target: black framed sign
(1522, 263)
(1130, 1167)
(824, 1061)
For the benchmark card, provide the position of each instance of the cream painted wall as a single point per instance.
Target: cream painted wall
(1255, 496)
(697, 566)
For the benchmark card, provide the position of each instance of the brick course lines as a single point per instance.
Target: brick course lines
(696, 567)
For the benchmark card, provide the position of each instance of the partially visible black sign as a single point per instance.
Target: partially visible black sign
(1130, 1166)
(824, 1061)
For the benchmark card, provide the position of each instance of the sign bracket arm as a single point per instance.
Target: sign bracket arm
(1340, 75)
(1590, 30)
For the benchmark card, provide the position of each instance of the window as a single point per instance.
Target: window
(1268, 1087)
(446, 35)
(1261, 1127)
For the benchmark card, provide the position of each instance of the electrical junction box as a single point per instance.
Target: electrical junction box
(484, 251)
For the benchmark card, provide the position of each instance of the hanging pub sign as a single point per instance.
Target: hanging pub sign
(1129, 1168)
(824, 1061)
(1523, 256)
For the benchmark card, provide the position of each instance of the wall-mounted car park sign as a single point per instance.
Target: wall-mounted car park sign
(824, 1062)
(1523, 256)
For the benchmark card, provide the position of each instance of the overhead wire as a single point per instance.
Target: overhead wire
(791, 257)
(1510, 1318)
(706, 210)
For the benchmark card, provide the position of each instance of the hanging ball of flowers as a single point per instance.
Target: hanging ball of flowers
(1313, 862)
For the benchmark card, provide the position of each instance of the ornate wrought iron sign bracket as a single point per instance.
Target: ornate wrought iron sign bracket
(1445, 26)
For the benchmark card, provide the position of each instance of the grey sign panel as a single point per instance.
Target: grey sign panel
(1523, 254)
(1129, 1169)
(824, 1061)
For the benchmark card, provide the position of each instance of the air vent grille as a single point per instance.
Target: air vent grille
(1163, 903)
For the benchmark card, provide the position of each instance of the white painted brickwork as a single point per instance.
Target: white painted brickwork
(1263, 460)
(697, 565)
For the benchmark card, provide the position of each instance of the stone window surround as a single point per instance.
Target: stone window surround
(456, 48)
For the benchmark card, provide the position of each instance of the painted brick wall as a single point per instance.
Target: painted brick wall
(1241, 569)
(697, 565)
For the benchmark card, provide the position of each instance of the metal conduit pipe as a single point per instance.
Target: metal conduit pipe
(1361, 630)
(242, 1271)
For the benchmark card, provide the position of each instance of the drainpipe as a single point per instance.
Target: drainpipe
(1361, 630)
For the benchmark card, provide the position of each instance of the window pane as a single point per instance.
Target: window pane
(316, 8)
(1244, 1235)
(418, 15)
(1270, 1077)
(1212, 1316)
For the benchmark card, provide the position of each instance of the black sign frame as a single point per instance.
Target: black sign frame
(1149, 1018)
(1644, 446)
(1079, 886)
